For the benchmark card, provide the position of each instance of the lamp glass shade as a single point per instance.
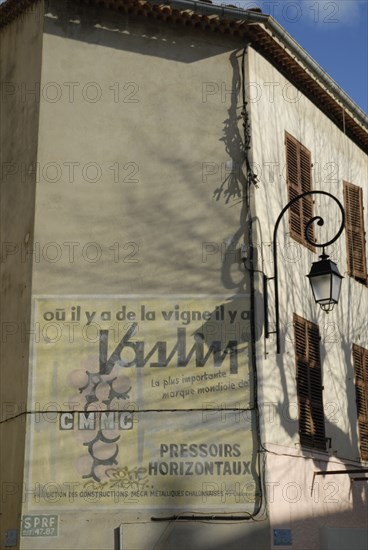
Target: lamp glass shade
(336, 287)
(321, 287)
(325, 280)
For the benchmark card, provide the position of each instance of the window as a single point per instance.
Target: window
(360, 359)
(355, 236)
(309, 384)
(299, 180)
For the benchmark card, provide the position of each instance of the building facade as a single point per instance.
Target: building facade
(148, 151)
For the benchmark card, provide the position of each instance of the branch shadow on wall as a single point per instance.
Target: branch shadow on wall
(339, 423)
(107, 27)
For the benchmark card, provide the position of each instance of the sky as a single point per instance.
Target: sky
(333, 32)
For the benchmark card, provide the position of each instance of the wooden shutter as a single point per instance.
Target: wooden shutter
(355, 236)
(360, 359)
(309, 384)
(299, 180)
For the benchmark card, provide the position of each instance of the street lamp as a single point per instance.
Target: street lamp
(324, 276)
(325, 280)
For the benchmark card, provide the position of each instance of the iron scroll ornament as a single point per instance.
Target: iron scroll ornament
(320, 221)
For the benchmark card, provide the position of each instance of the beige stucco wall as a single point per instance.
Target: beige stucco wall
(139, 194)
(276, 106)
(151, 149)
(136, 200)
(20, 69)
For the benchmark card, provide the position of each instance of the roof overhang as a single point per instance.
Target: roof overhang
(264, 34)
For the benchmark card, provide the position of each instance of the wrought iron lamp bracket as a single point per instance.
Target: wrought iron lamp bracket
(320, 221)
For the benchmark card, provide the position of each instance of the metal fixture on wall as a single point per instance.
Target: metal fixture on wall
(324, 277)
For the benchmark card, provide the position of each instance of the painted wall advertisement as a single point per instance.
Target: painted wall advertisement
(141, 401)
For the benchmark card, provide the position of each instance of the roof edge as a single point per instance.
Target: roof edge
(332, 87)
(11, 9)
(228, 12)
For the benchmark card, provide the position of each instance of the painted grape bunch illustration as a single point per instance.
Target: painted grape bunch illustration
(99, 393)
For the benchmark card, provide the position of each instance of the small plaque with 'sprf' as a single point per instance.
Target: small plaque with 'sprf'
(282, 537)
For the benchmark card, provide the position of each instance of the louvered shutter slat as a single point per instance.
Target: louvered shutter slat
(299, 180)
(295, 215)
(294, 184)
(355, 237)
(362, 406)
(306, 185)
(292, 162)
(360, 361)
(309, 384)
(364, 440)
